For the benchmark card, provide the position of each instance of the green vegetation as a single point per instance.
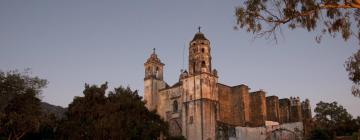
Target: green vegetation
(19, 104)
(265, 17)
(333, 120)
(352, 66)
(119, 115)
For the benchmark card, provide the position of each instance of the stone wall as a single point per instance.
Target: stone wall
(289, 131)
(200, 106)
(306, 110)
(241, 105)
(295, 110)
(307, 117)
(225, 104)
(284, 109)
(272, 108)
(234, 105)
(238, 107)
(258, 109)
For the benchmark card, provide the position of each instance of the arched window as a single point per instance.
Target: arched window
(202, 50)
(148, 71)
(203, 64)
(175, 106)
(157, 72)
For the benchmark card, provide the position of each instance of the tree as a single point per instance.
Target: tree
(15, 83)
(22, 115)
(120, 115)
(19, 104)
(352, 66)
(265, 17)
(320, 134)
(334, 120)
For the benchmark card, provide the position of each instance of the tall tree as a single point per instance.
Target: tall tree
(19, 104)
(334, 119)
(120, 115)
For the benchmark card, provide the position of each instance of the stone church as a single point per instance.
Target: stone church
(198, 107)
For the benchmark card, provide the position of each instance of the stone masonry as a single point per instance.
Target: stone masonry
(198, 107)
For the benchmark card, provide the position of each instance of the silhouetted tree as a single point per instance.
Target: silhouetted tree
(334, 120)
(352, 66)
(47, 128)
(320, 134)
(19, 104)
(120, 115)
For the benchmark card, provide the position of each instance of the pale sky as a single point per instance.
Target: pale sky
(73, 42)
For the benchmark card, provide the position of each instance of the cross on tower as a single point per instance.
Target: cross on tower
(153, 50)
(199, 28)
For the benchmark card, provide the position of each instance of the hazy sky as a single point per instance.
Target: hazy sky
(73, 42)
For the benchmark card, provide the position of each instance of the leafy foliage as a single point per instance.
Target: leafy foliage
(352, 66)
(333, 119)
(120, 115)
(19, 104)
(15, 83)
(320, 134)
(264, 17)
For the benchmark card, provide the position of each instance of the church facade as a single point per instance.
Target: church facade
(198, 107)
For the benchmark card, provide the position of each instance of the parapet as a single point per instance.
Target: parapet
(284, 110)
(306, 104)
(272, 108)
(295, 101)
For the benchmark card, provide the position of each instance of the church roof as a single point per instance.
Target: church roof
(153, 59)
(199, 36)
(177, 84)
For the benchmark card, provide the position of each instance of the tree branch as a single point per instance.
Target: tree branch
(306, 13)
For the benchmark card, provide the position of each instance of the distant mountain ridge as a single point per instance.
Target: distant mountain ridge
(58, 111)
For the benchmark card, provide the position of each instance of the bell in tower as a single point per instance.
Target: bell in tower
(199, 54)
(153, 80)
(153, 67)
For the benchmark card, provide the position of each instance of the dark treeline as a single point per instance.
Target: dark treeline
(332, 120)
(117, 114)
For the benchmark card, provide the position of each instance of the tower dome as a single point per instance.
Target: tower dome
(153, 67)
(199, 36)
(199, 54)
(153, 59)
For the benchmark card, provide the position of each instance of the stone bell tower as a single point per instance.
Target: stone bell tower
(199, 54)
(153, 80)
(200, 102)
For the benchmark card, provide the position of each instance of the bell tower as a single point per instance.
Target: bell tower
(199, 54)
(200, 102)
(153, 80)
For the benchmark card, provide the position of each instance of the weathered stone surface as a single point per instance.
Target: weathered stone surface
(272, 108)
(225, 104)
(258, 108)
(284, 110)
(295, 110)
(290, 131)
(200, 108)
